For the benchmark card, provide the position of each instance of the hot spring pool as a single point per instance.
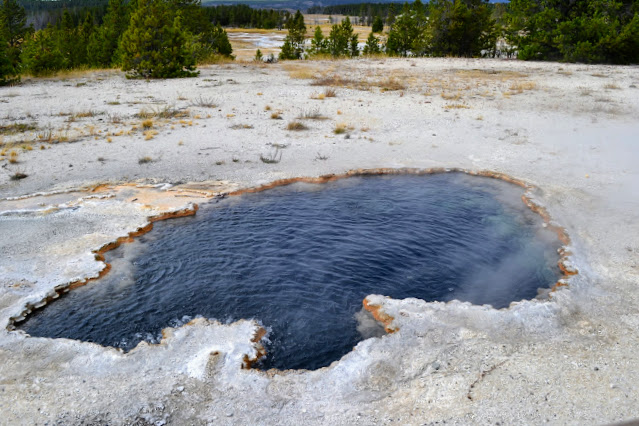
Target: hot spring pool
(300, 259)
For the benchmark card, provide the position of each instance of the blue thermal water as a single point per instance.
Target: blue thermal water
(300, 259)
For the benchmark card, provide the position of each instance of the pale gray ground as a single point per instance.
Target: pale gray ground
(569, 130)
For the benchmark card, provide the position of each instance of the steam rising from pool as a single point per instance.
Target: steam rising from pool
(300, 259)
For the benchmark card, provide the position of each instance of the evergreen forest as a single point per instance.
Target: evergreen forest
(168, 38)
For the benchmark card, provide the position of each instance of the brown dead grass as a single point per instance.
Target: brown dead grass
(451, 96)
(302, 73)
(335, 81)
(341, 128)
(390, 84)
(477, 74)
(456, 106)
(296, 126)
(522, 86)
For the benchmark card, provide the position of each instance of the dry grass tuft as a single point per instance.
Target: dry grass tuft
(150, 134)
(13, 128)
(276, 115)
(296, 126)
(495, 75)
(241, 126)
(273, 158)
(313, 114)
(162, 112)
(456, 106)
(13, 157)
(611, 86)
(451, 96)
(145, 160)
(85, 114)
(18, 175)
(334, 80)
(391, 84)
(520, 86)
(329, 92)
(203, 102)
(304, 74)
(215, 59)
(299, 71)
(585, 91)
(147, 124)
(341, 128)
(45, 135)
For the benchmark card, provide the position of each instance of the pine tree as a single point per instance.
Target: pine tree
(378, 25)
(340, 39)
(209, 44)
(372, 45)
(155, 45)
(354, 46)
(408, 33)
(390, 18)
(583, 31)
(85, 32)
(66, 34)
(103, 43)
(8, 73)
(258, 56)
(294, 41)
(14, 21)
(14, 30)
(461, 27)
(41, 55)
(318, 43)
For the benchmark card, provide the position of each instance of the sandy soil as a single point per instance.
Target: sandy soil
(104, 156)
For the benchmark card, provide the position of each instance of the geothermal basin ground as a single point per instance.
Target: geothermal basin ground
(89, 161)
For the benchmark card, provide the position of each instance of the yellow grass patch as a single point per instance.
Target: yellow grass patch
(521, 86)
(150, 134)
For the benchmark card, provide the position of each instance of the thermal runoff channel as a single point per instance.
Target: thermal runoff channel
(301, 258)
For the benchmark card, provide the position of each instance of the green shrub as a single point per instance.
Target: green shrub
(41, 55)
(8, 73)
(155, 44)
(583, 31)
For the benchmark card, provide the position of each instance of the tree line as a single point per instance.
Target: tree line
(167, 38)
(591, 31)
(361, 13)
(244, 16)
(40, 13)
(146, 38)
